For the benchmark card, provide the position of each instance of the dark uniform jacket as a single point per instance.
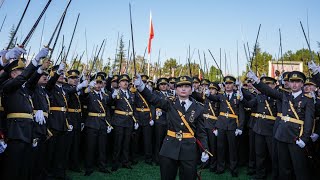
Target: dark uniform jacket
(17, 99)
(163, 118)
(186, 149)
(304, 106)
(121, 105)
(74, 103)
(143, 117)
(228, 123)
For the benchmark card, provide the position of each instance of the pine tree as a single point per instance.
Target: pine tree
(11, 34)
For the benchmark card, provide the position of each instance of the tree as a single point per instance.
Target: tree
(11, 34)
(120, 56)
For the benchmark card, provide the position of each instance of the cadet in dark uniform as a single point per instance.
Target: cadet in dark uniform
(295, 127)
(97, 126)
(229, 124)
(18, 106)
(171, 87)
(123, 122)
(185, 125)
(160, 117)
(264, 114)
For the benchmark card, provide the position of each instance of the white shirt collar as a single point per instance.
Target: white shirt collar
(296, 94)
(188, 103)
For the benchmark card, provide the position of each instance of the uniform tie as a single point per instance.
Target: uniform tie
(183, 107)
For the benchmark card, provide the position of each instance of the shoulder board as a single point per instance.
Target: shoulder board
(172, 98)
(283, 89)
(220, 92)
(308, 95)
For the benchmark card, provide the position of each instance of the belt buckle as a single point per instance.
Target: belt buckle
(179, 135)
(256, 115)
(227, 114)
(142, 109)
(99, 114)
(286, 118)
(263, 115)
(76, 110)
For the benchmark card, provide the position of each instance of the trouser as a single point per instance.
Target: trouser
(212, 143)
(263, 149)
(160, 134)
(121, 144)
(38, 170)
(169, 168)
(96, 140)
(74, 155)
(144, 132)
(17, 160)
(223, 137)
(292, 157)
(252, 153)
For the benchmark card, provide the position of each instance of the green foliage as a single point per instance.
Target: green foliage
(12, 30)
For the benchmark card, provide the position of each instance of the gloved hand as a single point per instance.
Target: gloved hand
(115, 93)
(3, 53)
(3, 146)
(82, 85)
(35, 142)
(92, 84)
(252, 76)
(149, 87)
(151, 122)
(61, 68)
(215, 132)
(313, 67)
(239, 93)
(139, 83)
(110, 75)
(158, 113)
(207, 92)
(39, 117)
(15, 53)
(136, 126)
(42, 54)
(70, 128)
(204, 157)
(314, 137)
(300, 143)
(109, 128)
(238, 132)
(82, 126)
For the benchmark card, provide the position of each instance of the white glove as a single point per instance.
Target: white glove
(313, 67)
(109, 128)
(70, 128)
(239, 93)
(158, 113)
(136, 126)
(15, 53)
(39, 117)
(61, 68)
(253, 76)
(42, 54)
(115, 93)
(138, 83)
(215, 132)
(149, 87)
(3, 146)
(207, 92)
(92, 83)
(204, 157)
(82, 85)
(238, 132)
(300, 143)
(151, 122)
(314, 137)
(2, 53)
(110, 73)
(103, 91)
(35, 142)
(82, 126)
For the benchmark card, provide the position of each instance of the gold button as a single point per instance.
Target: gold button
(182, 124)
(180, 131)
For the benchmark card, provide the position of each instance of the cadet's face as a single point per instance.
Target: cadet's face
(163, 87)
(114, 85)
(184, 91)
(250, 85)
(272, 85)
(196, 85)
(229, 87)
(73, 80)
(286, 84)
(15, 73)
(123, 84)
(171, 85)
(306, 89)
(213, 91)
(204, 86)
(61, 79)
(43, 80)
(98, 86)
(295, 85)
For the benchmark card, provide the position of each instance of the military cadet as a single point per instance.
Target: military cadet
(229, 124)
(295, 127)
(264, 111)
(144, 118)
(171, 87)
(160, 117)
(18, 106)
(123, 122)
(185, 127)
(196, 83)
(97, 126)
(74, 118)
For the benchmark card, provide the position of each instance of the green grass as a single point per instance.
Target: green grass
(142, 171)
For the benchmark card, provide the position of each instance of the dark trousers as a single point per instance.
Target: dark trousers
(169, 168)
(38, 170)
(292, 157)
(275, 160)
(58, 154)
(144, 133)
(74, 137)
(223, 137)
(252, 153)
(160, 134)
(17, 160)
(212, 143)
(263, 149)
(121, 144)
(96, 141)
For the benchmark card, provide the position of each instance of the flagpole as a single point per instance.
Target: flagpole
(149, 59)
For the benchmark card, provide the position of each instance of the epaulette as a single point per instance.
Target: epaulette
(172, 98)
(308, 95)
(221, 92)
(283, 89)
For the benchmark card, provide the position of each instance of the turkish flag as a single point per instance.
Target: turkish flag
(151, 34)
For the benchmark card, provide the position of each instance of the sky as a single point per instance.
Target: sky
(202, 24)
